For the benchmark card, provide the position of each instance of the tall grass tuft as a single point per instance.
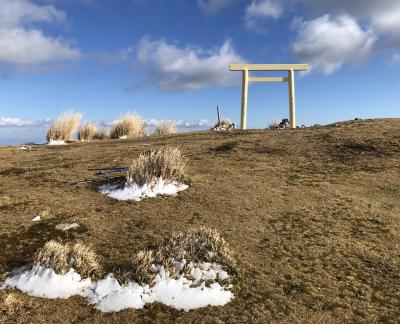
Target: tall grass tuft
(164, 128)
(88, 132)
(62, 257)
(64, 127)
(128, 126)
(168, 163)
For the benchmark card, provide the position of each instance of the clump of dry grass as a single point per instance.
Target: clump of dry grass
(101, 134)
(13, 304)
(168, 163)
(196, 245)
(88, 131)
(64, 127)
(201, 244)
(62, 257)
(164, 128)
(130, 125)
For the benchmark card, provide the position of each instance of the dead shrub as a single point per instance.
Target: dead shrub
(168, 163)
(87, 132)
(164, 128)
(64, 127)
(130, 125)
(196, 245)
(62, 257)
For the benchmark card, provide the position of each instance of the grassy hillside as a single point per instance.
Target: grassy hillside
(313, 216)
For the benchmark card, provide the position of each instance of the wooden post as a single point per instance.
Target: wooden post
(292, 102)
(245, 85)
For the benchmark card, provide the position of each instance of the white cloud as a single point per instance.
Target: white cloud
(182, 124)
(16, 12)
(388, 22)
(261, 9)
(173, 68)
(382, 15)
(328, 43)
(264, 8)
(22, 44)
(18, 122)
(211, 7)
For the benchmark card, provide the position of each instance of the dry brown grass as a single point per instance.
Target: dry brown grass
(12, 304)
(315, 234)
(196, 245)
(101, 134)
(62, 257)
(168, 163)
(164, 128)
(64, 127)
(88, 132)
(130, 125)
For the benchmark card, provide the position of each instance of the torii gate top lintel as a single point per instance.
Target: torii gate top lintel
(290, 68)
(268, 67)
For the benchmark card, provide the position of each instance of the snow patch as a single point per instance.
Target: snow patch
(109, 296)
(137, 193)
(66, 226)
(45, 283)
(56, 142)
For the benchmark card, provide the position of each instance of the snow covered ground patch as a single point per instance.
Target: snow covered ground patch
(45, 283)
(108, 295)
(56, 142)
(134, 192)
(66, 226)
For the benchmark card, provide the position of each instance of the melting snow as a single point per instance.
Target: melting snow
(136, 193)
(57, 142)
(66, 226)
(44, 282)
(109, 296)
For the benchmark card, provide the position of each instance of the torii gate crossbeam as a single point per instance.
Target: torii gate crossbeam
(290, 68)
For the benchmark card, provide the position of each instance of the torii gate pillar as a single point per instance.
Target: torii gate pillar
(290, 68)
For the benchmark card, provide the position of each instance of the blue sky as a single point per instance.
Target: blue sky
(168, 59)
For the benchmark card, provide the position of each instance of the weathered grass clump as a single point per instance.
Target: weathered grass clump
(64, 127)
(168, 163)
(165, 128)
(128, 126)
(101, 134)
(62, 257)
(87, 132)
(196, 246)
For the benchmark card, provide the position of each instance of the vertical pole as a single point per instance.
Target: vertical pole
(292, 100)
(245, 85)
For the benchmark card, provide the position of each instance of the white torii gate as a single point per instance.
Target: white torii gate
(290, 68)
